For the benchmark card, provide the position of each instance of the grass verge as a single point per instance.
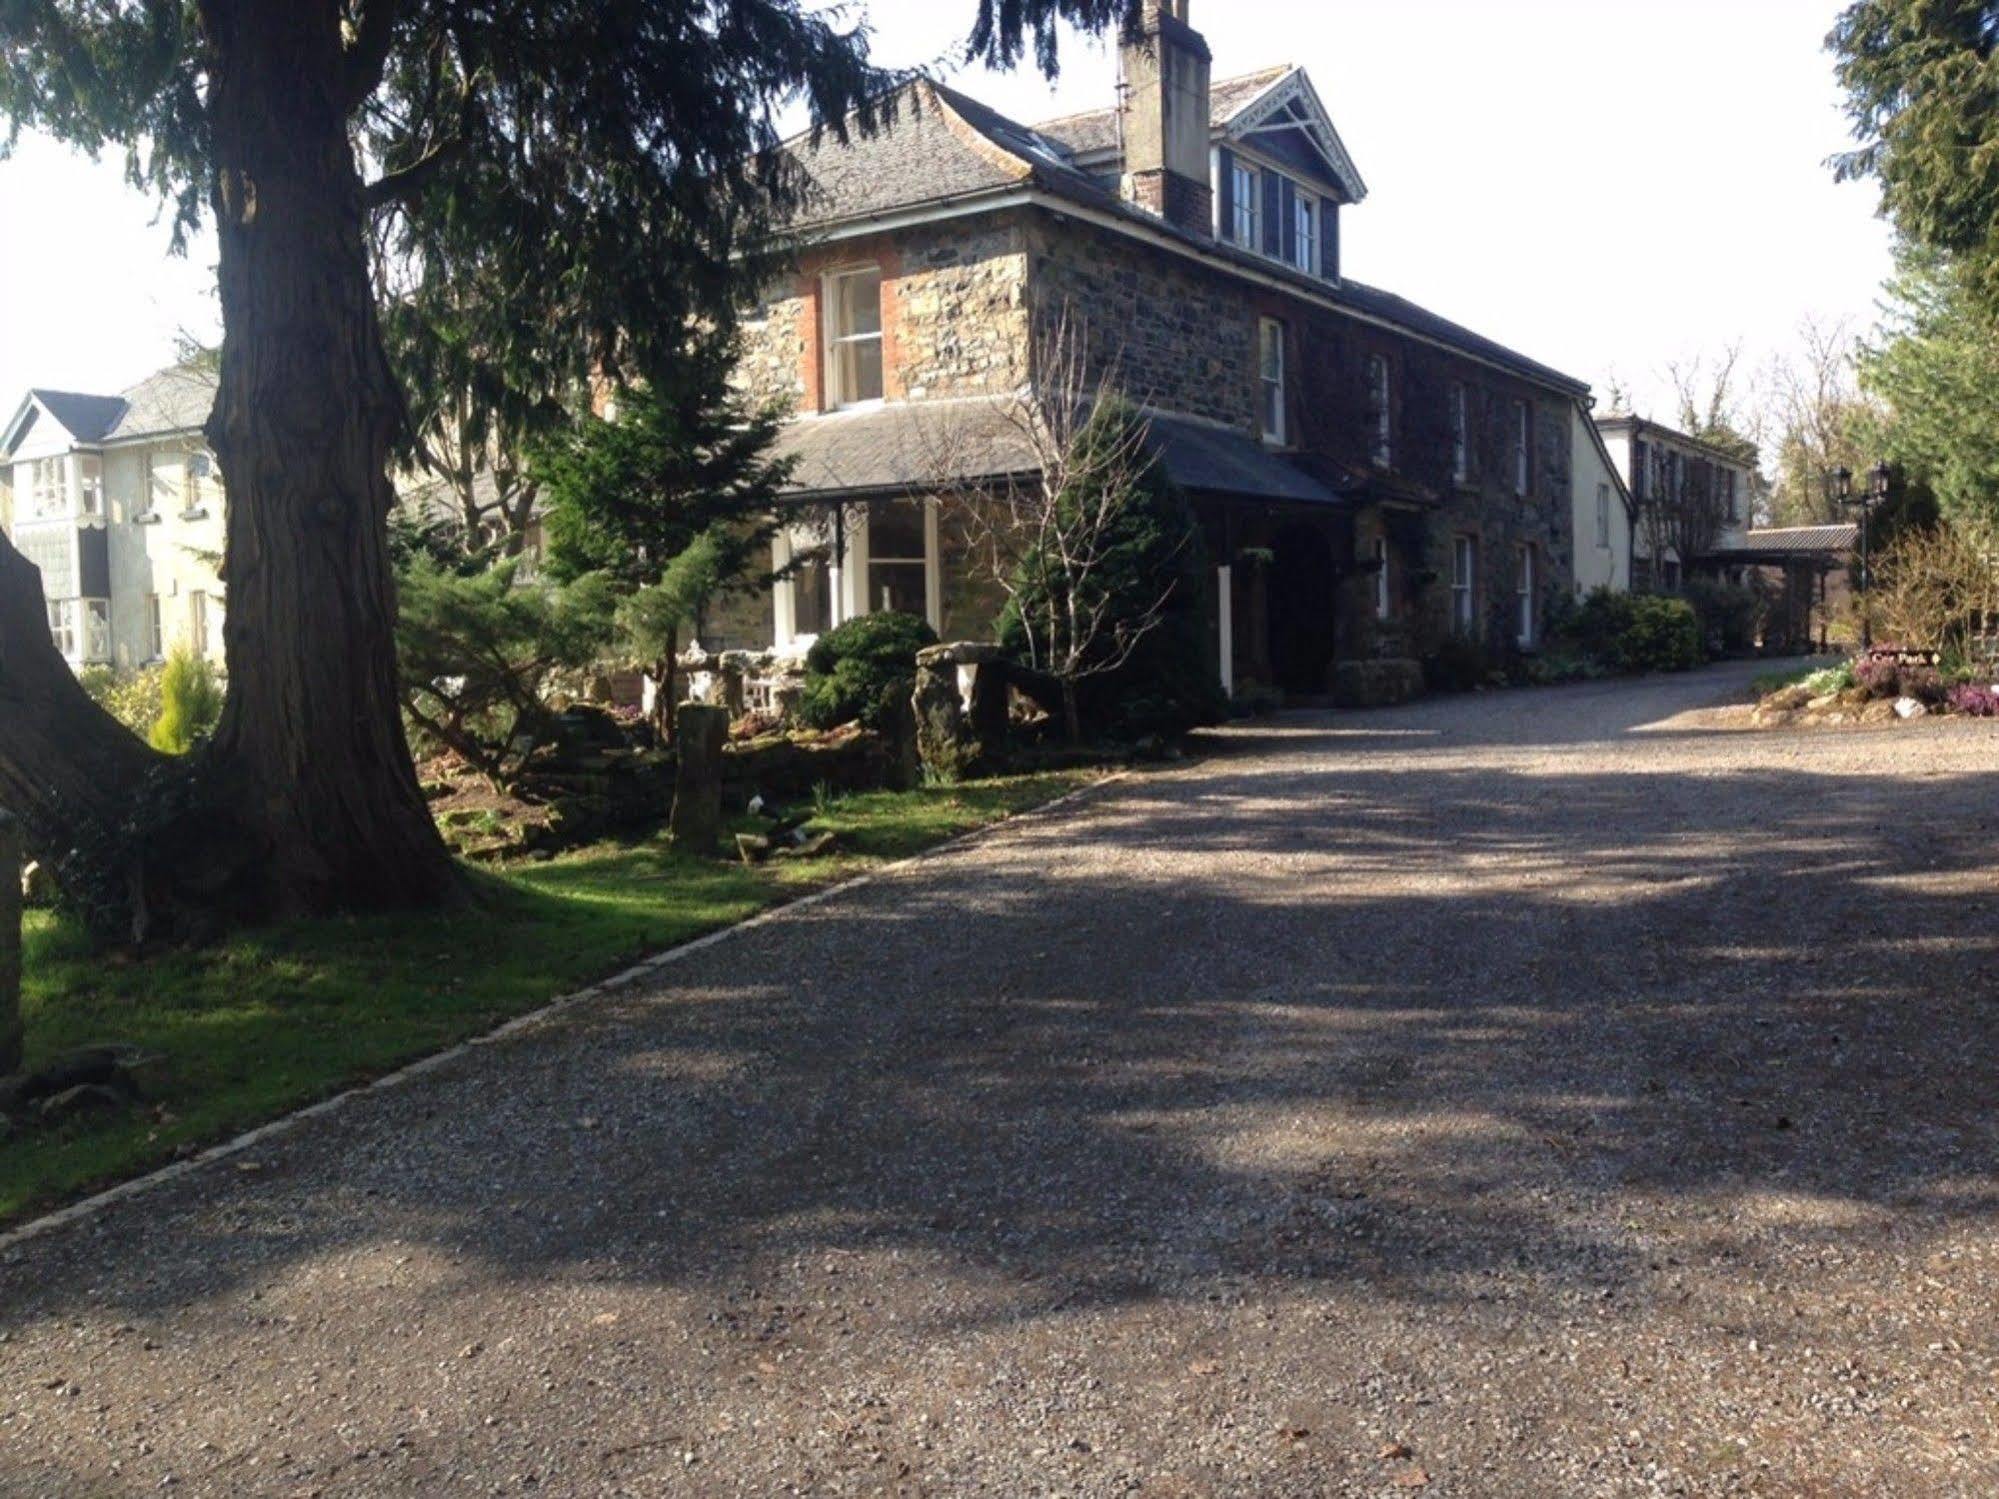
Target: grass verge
(271, 1020)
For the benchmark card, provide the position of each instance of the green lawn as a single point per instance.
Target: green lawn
(274, 1019)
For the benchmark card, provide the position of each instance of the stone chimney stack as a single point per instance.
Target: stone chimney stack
(1163, 112)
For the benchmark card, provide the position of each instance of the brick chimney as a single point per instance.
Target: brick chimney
(1163, 113)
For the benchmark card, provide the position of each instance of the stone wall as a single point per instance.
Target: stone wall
(1178, 337)
(953, 315)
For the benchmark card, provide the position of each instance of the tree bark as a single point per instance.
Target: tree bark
(302, 427)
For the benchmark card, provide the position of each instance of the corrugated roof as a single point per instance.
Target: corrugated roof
(86, 418)
(927, 445)
(1797, 539)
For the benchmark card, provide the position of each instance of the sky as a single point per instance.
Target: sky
(1609, 186)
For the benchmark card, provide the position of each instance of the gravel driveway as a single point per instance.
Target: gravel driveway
(1539, 1093)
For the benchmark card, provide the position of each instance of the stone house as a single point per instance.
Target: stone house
(1370, 478)
(117, 501)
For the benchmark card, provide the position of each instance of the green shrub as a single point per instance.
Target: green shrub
(1730, 615)
(1637, 632)
(864, 671)
(131, 697)
(1457, 664)
(190, 704)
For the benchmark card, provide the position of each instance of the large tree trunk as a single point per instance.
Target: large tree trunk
(302, 427)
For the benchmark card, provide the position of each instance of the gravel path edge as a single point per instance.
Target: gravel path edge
(542, 1015)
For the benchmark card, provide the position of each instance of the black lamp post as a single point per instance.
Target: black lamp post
(1839, 490)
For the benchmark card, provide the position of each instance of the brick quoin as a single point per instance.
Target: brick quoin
(812, 314)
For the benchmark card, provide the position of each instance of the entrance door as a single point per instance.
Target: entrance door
(1303, 602)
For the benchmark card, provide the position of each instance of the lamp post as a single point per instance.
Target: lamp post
(1839, 490)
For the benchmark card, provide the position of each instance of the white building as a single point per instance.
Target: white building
(1666, 468)
(1606, 519)
(116, 500)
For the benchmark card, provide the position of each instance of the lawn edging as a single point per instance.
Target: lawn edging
(543, 1015)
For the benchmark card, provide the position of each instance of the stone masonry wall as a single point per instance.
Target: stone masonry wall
(953, 315)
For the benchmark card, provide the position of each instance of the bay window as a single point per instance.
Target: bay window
(898, 558)
(48, 488)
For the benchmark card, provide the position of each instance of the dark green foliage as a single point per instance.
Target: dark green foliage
(1936, 370)
(1142, 659)
(1636, 632)
(682, 455)
(1730, 615)
(475, 650)
(1918, 76)
(1457, 664)
(863, 671)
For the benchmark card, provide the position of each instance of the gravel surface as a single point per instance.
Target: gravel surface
(1537, 1093)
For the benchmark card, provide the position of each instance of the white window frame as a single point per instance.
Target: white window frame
(1464, 584)
(63, 622)
(198, 622)
(1272, 385)
(838, 399)
(1460, 433)
(90, 487)
(1380, 391)
(48, 488)
(95, 617)
(785, 548)
(156, 633)
(1246, 183)
(1524, 585)
(1523, 448)
(1305, 233)
(1381, 590)
(1603, 517)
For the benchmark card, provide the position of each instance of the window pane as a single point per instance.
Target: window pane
(812, 597)
(857, 304)
(897, 586)
(895, 531)
(859, 367)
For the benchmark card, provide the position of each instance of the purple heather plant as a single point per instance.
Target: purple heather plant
(1975, 700)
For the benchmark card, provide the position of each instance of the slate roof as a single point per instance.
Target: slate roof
(86, 418)
(1096, 129)
(917, 445)
(943, 146)
(173, 400)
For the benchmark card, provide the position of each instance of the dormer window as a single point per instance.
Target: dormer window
(853, 301)
(1305, 233)
(1247, 188)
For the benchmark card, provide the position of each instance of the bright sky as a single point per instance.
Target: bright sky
(1607, 185)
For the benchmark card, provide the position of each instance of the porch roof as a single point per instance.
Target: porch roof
(918, 447)
(1790, 543)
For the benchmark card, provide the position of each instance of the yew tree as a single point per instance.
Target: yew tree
(572, 177)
